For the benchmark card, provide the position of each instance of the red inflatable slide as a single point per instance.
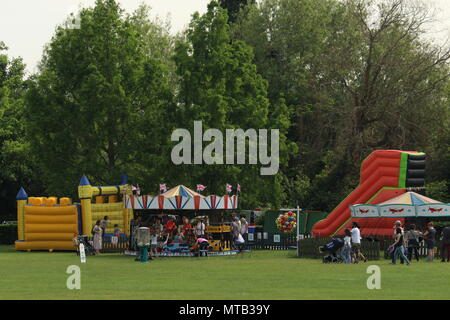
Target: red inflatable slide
(384, 174)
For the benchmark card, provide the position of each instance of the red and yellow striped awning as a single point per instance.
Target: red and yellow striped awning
(181, 190)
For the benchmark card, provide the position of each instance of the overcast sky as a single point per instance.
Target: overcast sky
(27, 25)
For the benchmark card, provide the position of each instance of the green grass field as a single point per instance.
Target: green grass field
(263, 275)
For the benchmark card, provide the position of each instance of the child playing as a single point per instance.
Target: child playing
(153, 243)
(116, 230)
(346, 250)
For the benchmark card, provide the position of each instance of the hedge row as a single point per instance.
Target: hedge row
(8, 233)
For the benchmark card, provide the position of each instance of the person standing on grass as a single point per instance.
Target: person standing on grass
(235, 231)
(412, 241)
(97, 232)
(445, 244)
(399, 248)
(200, 228)
(430, 240)
(135, 224)
(356, 243)
(244, 228)
(104, 225)
(397, 224)
(153, 243)
(347, 249)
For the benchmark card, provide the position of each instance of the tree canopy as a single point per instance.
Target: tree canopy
(338, 79)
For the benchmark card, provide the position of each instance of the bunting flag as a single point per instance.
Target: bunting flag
(238, 188)
(200, 188)
(162, 187)
(229, 188)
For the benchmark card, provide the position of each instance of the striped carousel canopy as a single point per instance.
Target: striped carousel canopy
(181, 198)
(410, 198)
(181, 190)
(408, 204)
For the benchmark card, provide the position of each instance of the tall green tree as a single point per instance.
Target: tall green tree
(288, 37)
(15, 159)
(220, 86)
(357, 76)
(97, 105)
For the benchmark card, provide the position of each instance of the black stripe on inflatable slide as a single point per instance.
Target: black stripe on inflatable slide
(415, 174)
(415, 183)
(416, 157)
(416, 164)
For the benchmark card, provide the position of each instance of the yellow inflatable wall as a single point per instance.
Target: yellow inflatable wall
(114, 211)
(100, 201)
(46, 225)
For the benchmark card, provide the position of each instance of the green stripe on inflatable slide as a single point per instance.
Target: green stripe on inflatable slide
(403, 168)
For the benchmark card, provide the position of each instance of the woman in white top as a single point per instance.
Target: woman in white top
(244, 228)
(97, 241)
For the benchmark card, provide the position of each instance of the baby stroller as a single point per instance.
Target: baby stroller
(332, 247)
(88, 248)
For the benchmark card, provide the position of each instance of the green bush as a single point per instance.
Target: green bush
(8, 233)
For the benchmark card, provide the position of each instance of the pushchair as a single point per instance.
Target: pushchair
(88, 248)
(332, 248)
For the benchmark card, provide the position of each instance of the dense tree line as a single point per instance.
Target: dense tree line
(337, 78)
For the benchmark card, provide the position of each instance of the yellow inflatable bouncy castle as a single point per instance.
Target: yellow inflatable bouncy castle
(100, 201)
(45, 224)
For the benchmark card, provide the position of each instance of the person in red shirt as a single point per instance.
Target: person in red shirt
(171, 226)
(186, 227)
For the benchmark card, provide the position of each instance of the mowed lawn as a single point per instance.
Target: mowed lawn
(262, 275)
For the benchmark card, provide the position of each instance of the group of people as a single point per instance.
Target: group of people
(406, 243)
(405, 246)
(168, 234)
(99, 230)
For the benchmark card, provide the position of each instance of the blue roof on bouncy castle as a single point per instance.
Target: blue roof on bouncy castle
(84, 181)
(22, 195)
